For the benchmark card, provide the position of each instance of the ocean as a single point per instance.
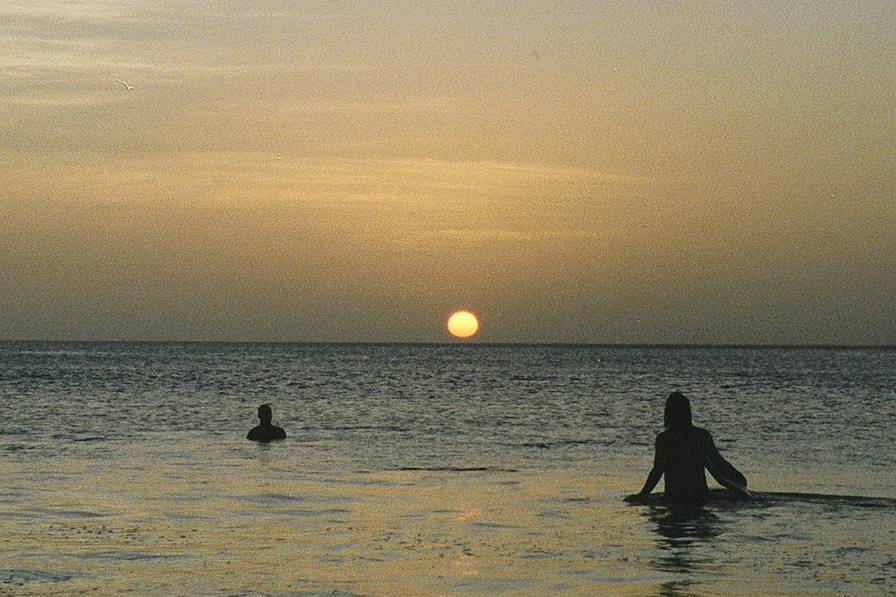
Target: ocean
(457, 469)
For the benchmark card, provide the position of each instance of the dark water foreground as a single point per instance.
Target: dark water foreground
(425, 470)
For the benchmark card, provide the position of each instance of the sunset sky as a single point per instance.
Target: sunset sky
(328, 171)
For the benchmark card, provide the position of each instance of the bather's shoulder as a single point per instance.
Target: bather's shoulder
(703, 434)
(266, 433)
(676, 434)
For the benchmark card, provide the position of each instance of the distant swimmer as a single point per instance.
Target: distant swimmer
(682, 452)
(266, 432)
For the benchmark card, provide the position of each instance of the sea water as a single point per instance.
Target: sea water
(436, 470)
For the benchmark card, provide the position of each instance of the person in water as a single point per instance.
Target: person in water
(681, 453)
(266, 432)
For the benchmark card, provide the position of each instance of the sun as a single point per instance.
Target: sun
(462, 324)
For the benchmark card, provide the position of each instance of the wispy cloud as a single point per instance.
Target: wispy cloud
(374, 106)
(63, 53)
(490, 235)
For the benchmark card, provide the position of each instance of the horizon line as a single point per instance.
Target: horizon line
(724, 345)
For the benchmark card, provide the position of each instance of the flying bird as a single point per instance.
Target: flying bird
(127, 85)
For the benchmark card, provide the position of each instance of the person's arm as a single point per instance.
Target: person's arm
(722, 470)
(656, 473)
(713, 459)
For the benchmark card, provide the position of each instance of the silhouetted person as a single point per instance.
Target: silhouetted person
(682, 451)
(266, 432)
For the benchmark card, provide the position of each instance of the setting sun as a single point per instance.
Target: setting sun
(462, 324)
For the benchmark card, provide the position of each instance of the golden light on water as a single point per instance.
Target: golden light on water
(462, 324)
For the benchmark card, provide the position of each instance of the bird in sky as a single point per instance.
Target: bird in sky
(127, 85)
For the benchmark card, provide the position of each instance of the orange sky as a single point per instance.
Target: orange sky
(572, 172)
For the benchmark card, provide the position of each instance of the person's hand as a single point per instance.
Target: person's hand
(741, 493)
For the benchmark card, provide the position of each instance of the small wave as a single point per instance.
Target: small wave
(538, 554)
(277, 498)
(857, 501)
(559, 442)
(389, 428)
(127, 556)
(494, 525)
(274, 498)
(539, 445)
(78, 438)
(313, 513)
(19, 577)
(577, 442)
(334, 593)
(457, 469)
(554, 515)
(774, 498)
(69, 513)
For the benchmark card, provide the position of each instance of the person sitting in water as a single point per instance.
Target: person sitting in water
(266, 432)
(681, 453)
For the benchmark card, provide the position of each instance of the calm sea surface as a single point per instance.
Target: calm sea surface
(436, 470)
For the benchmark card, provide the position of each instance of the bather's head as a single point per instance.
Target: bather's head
(264, 414)
(678, 410)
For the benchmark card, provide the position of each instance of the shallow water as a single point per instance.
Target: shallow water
(434, 470)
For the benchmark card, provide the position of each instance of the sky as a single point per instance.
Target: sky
(698, 172)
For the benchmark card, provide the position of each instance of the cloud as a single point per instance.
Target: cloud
(62, 53)
(490, 236)
(379, 106)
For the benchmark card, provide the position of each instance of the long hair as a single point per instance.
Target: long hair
(678, 410)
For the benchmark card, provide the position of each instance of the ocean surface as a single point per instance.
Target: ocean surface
(458, 469)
